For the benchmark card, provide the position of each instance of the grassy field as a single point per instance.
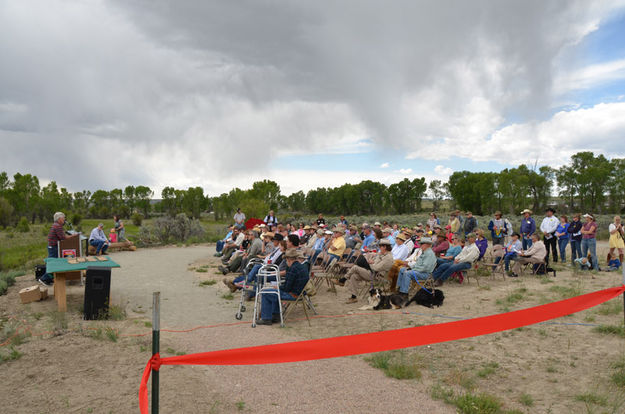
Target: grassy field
(23, 250)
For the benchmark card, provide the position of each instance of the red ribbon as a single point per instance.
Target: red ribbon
(379, 341)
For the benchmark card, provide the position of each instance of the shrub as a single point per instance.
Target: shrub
(3, 287)
(76, 219)
(23, 226)
(137, 219)
(166, 230)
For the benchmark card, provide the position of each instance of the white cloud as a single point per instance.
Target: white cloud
(403, 171)
(443, 171)
(590, 76)
(385, 165)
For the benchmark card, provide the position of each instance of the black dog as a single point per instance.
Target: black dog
(427, 298)
(379, 301)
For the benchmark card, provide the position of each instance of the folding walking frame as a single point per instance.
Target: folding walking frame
(267, 283)
(246, 288)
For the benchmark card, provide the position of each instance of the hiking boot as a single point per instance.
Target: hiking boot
(275, 318)
(438, 283)
(342, 281)
(351, 300)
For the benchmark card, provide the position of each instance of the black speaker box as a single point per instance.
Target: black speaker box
(97, 292)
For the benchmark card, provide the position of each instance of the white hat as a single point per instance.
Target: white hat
(328, 232)
(588, 215)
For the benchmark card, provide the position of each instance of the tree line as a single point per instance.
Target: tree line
(588, 182)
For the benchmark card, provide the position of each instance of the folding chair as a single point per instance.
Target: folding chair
(266, 286)
(326, 271)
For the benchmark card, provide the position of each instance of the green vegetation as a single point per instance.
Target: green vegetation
(397, 364)
(566, 292)
(12, 355)
(526, 400)
(227, 296)
(592, 399)
(618, 330)
(613, 307)
(618, 376)
(116, 313)
(468, 403)
(487, 370)
(516, 296)
(240, 405)
(207, 282)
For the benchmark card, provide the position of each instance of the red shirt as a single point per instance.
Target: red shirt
(590, 226)
(56, 233)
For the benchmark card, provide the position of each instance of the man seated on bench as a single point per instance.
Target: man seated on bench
(535, 254)
(294, 282)
(463, 261)
(420, 270)
(381, 263)
(98, 240)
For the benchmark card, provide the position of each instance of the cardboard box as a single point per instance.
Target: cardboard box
(44, 292)
(30, 294)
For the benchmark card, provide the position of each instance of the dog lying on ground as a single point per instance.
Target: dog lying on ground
(427, 298)
(377, 300)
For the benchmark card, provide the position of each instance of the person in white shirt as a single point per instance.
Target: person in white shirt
(239, 219)
(237, 239)
(548, 227)
(463, 261)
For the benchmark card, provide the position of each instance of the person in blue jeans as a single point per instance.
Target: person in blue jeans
(294, 283)
(55, 235)
(463, 261)
(562, 233)
(528, 227)
(589, 240)
(98, 240)
(575, 237)
(511, 251)
(221, 243)
(420, 270)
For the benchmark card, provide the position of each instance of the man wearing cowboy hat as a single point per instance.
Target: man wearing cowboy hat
(420, 270)
(548, 227)
(294, 283)
(337, 246)
(528, 227)
(388, 235)
(497, 227)
(381, 263)
(352, 237)
(400, 253)
(463, 261)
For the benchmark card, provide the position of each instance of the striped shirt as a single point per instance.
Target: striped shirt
(56, 233)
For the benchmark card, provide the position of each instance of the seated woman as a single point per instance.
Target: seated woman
(481, 242)
(452, 252)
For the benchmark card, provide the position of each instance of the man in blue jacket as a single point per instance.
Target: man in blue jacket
(294, 282)
(528, 227)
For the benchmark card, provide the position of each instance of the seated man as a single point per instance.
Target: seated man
(452, 252)
(351, 239)
(274, 258)
(463, 261)
(313, 236)
(241, 260)
(381, 263)
(294, 282)
(440, 245)
(535, 254)
(221, 243)
(388, 234)
(98, 240)
(369, 239)
(420, 270)
(321, 244)
(234, 244)
(400, 253)
(510, 250)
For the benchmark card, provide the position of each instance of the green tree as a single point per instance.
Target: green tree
(616, 185)
(24, 196)
(268, 191)
(6, 212)
(143, 196)
(194, 202)
(438, 192)
(129, 198)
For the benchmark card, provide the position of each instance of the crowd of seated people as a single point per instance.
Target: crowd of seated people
(411, 254)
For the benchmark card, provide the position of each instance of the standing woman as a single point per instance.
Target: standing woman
(589, 239)
(616, 239)
(563, 236)
(575, 234)
(433, 221)
(119, 229)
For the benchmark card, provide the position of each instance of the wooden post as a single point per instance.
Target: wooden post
(156, 321)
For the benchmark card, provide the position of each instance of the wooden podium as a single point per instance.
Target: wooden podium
(71, 243)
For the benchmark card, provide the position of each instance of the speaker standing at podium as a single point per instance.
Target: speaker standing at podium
(98, 240)
(55, 235)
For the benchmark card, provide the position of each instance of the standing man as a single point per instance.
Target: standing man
(98, 240)
(343, 221)
(239, 219)
(271, 220)
(470, 223)
(548, 227)
(55, 235)
(497, 227)
(528, 227)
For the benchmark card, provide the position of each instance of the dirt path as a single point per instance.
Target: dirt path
(77, 369)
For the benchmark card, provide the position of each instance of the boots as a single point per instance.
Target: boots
(620, 257)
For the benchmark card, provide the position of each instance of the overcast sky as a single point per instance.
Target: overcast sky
(97, 94)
